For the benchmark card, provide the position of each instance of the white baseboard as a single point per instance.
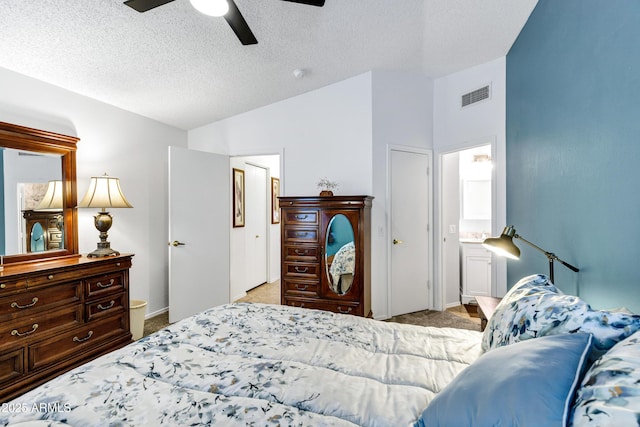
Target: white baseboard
(156, 313)
(451, 304)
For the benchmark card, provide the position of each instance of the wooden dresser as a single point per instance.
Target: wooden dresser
(56, 315)
(326, 253)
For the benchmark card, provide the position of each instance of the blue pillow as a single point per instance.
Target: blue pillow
(530, 383)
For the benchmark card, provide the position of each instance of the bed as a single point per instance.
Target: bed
(545, 359)
(256, 364)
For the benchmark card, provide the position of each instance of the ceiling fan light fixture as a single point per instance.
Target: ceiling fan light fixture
(211, 7)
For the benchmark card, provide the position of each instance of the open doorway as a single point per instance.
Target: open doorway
(467, 217)
(255, 247)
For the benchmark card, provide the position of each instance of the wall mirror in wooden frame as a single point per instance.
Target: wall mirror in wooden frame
(51, 148)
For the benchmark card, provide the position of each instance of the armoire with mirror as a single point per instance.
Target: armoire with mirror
(326, 253)
(58, 309)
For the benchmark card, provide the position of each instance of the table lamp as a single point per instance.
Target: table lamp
(104, 192)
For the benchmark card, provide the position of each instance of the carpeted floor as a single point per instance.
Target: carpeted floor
(461, 317)
(439, 319)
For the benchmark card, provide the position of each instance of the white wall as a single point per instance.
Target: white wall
(402, 115)
(326, 132)
(456, 128)
(122, 144)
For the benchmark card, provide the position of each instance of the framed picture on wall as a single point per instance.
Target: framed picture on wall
(238, 197)
(275, 204)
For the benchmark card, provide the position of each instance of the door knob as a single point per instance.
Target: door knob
(177, 243)
(397, 242)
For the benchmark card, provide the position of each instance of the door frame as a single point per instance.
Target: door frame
(498, 215)
(388, 246)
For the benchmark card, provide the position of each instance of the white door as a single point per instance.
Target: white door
(256, 225)
(409, 210)
(199, 223)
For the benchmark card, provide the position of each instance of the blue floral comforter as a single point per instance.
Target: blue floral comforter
(258, 365)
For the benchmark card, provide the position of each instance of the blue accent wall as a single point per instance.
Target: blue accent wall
(573, 147)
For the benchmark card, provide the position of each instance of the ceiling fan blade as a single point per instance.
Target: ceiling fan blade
(318, 3)
(239, 26)
(144, 5)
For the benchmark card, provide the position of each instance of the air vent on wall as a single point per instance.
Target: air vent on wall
(475, 96)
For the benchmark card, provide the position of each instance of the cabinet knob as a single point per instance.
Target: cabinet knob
(50, 277)
(397, 242)
(2, 286)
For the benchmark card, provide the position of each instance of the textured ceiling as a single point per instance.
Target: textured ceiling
(182, 68)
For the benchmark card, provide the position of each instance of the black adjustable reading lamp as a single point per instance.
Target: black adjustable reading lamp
(504, 246)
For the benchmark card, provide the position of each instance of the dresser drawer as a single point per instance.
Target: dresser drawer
(41, 324)
(344, 307)
(25, 303)
(7, 286)
(300, 217)
(53, 277)
(306, 270)
(76, 341)
(11, 365)
(300, 235)
(105, 284)
(105, 307)
(301, 253)
(300, 287)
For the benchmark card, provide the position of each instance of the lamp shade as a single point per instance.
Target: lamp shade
(104, 192)
(503, 245)
(52, 200)
(211, 7)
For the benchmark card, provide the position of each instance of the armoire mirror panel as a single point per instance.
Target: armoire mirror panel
(340, 254)
(34, 227)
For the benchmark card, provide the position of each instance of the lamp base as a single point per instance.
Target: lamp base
(103, 223)
(103, 250)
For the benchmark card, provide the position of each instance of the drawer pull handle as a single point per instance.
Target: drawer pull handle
(302, 287)
(24, 334)
(89, 335)
(50, 277)
(302, 216)
(105, 285)
(344, 311)
(106, 307)
(117, 264)
(299, 252)
(293, 304)
(301, 234)
(33, 302)
(301, 270)
(2, 286)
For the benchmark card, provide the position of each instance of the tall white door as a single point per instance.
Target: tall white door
(409, 210)
(199, 223)
(256, 238)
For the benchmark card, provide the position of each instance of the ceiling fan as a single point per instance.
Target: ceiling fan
(233, 16)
